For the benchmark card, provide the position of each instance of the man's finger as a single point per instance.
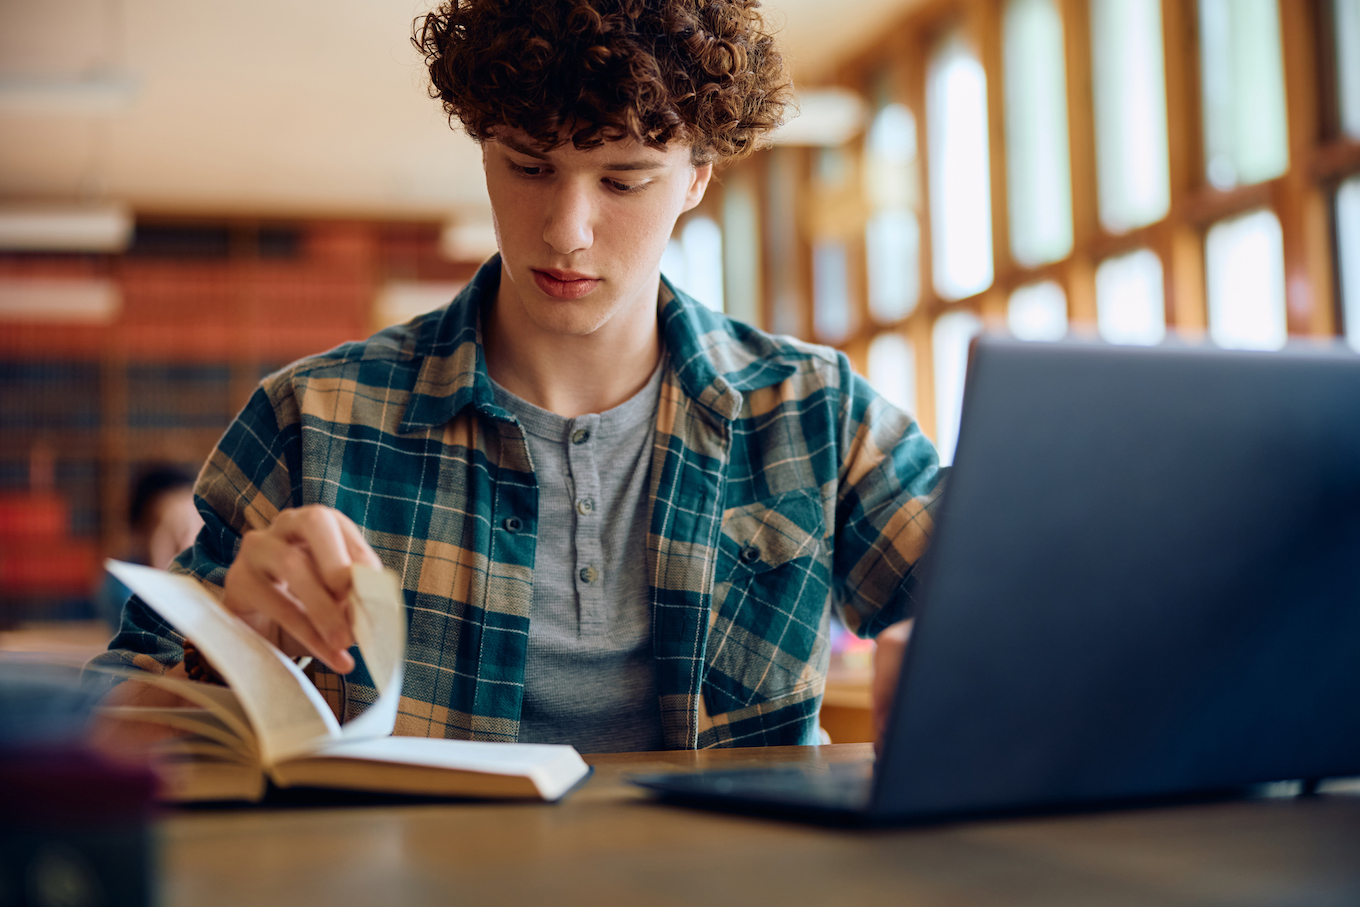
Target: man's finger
(277, 562)
(319, 529)
(275, 580)
(293, 572)
(274, 600)
(359, 549)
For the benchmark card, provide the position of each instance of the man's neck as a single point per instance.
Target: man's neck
(570, 375)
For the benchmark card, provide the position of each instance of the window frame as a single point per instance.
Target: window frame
(1320, 158)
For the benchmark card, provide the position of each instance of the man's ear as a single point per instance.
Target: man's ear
(698, 186)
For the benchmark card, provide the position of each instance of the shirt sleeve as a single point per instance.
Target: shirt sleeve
(890, 486)
(247, 480)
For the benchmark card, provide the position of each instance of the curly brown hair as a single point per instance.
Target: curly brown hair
(703, 72)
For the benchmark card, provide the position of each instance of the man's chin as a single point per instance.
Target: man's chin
(568, 318)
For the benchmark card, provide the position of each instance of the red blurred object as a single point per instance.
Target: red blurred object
(26, 516)
(48, 567)
(37, 557)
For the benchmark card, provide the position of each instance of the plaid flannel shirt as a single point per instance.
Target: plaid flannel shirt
(781, 486)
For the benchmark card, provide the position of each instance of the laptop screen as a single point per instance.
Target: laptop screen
(1145, 580)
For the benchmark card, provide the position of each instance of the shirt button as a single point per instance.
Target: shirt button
(512, 524)
(588, 574)
(580, 436)
(585, 506)
(750, 554)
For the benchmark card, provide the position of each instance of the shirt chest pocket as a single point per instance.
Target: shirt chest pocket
(768, 636)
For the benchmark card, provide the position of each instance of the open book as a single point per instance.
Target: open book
(270, 722)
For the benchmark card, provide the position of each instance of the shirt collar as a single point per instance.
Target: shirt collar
(712, 358)
(716, 360)
(453, 372)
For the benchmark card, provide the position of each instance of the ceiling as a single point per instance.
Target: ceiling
(267, 107)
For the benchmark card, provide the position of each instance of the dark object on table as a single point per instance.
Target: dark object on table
(74, 826)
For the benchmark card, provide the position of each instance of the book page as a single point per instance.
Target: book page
(191, 778)
(198, 748)
(196, 721)
(220, 701)
(286, 711)
(552, 768)
(378, 618)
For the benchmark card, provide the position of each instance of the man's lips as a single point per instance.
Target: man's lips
(564, 284)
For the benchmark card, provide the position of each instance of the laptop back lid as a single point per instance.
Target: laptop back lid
(1145, 581)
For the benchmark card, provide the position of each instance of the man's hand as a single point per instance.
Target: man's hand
(291, 582)
(892, 645)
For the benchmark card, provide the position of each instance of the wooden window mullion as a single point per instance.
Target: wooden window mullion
(985, 28)
(1080, 281)
(1302, 205)
(1180, 241)
(804, 164)
(916, 50)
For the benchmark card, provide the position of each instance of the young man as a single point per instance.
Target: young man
(620, 520)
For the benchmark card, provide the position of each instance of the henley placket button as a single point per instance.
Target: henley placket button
(585, 506)
(580, 436)
(588, 574)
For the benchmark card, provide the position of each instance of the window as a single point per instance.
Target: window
(1155, 172)
(1038, 312)
(833, 168)
(893, 249)
(1244, 259)
(673, 265)
(952, 334)
(1129, 82)
(694, 262)
(960, 181)
(830, 292)
(741, 250)
(1130, 306)
(1242, 91)
(892, 370)
(1039, 174)
(892, 237)
(1346, 15)
(1348, 248)
(702, 239)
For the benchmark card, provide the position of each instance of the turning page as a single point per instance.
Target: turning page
(287, 713)
(378, 619)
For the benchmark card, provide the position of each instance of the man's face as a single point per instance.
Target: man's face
(581, 233)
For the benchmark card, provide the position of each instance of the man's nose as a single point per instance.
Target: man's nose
(571, 214)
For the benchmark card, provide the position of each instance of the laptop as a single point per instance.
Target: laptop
(1144, 583)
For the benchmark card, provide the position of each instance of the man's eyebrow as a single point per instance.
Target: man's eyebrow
(522, 149)
(638, 164)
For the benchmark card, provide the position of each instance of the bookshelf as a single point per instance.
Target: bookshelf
(207, 308)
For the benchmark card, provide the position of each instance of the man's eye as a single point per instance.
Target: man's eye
(526, 170)
(619, 186)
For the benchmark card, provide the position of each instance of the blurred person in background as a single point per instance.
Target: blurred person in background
(679, 500)
(163, 522)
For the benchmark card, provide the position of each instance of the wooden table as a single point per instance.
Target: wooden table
(608, 844)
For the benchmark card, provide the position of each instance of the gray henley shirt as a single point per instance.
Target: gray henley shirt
(590, 679)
